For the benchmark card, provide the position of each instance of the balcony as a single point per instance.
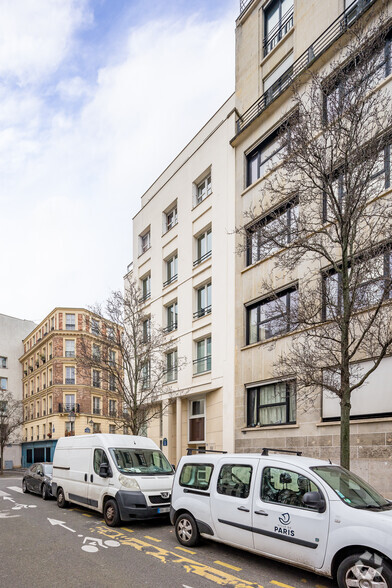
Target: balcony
(279, 31)
(244, 6)
(68, 407)
(312, 53)
(202, 312)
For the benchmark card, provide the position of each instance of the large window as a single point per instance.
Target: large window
(95, 329)
(234, 480)
(204, 247)
(264, 157)
(202, 363)
(171, 366)
(171, 317)
(70, 322)
(96, 379)
(70, 348)
(285, 487)
(3, 383)
(69, 403)
(96, 405)
(203, 301)
(278, 227)
(272, 316)
(70, 375)
(271, 404)
(171, 270)
(278, 20)
(197, 420)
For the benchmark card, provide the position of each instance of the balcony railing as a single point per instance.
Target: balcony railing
(244, 5)
(113, 413)
(171, 374)
(170, 280)
(70, 354)
(202, 364)
(69, 433)
(68, 407)
(70, 381)
(312, 53)
(170, 328)
(145, 297)
(96, 410)
(279, 31)
(202, 258)
(202, 311)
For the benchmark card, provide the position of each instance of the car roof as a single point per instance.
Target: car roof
(281, 459)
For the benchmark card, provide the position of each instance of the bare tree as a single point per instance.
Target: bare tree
(332, 226)
(131, 355)
(11, 419)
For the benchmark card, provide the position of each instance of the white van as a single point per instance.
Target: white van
(123, 476)
(301, 511)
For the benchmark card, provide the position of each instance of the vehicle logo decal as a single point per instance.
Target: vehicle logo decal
(285, 519)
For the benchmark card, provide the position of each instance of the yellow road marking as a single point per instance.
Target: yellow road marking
(280, 584)
(152, 538)
(220, 577)
(80, 510)
(186, 550)
(221, 563)
(86, 515)
(127, 530)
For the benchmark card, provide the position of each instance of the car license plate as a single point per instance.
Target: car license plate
(163, 509)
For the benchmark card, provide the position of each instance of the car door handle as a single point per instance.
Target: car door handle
(85, 477)
(243, 508)
(261, 512)
(91, 478)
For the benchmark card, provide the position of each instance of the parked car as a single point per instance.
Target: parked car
(305, 512)
(125, 477)
(38, 479)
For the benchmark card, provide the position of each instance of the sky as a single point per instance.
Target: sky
(96, 98)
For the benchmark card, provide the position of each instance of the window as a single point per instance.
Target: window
(69, 429)
(145, 242)
(265, 156)
(69, 348)
(69, 322)
(99, 458)
(171, 218)
(145, 376)
(171, 366)
(196, 476)
(171, 270)
(204, 247)
(96, 427)
(272, 316)
(112, 383)
(3, 384)
(203, 301)
(203, 189)
(69, 403)
(271, 404)
(234, 480)
(278, 79)
(96, 405)
(202, 363)
(278, 20)
(146, 330)
(112, 357)
(110, 332)
(3, 407)
(283, 486)
(146, 288)
(277, 227)
(70, 375)
(96, 352)
(3, 362)
(171, 317)
(95, 326)
(112, 408)
(196, 420)
(96, 379)
(112, 429)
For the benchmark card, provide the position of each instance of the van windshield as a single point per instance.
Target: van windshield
(140, 461)
(351, 489)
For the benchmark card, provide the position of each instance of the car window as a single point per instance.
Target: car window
(196, 475)
(99, 458)
(285, 487)
(33, 468)
(39, 469)
(234, 480)
(48, 470)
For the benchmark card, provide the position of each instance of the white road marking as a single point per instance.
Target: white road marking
(7, 515)
(60, 523)
(8, 498)
(3, 493)
(15, 489)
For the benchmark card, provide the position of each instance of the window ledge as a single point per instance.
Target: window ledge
(356, 422)
(268, 428)
(201, 374)
(201, 201)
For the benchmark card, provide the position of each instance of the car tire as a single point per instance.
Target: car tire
(187, 532)
(44, 492)
(357, 566)
(61, 502)
(111, 513)
(25, 490)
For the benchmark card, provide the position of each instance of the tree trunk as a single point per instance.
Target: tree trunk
(345, 407)
(1, 458)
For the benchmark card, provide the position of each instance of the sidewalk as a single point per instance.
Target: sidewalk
(12, 473)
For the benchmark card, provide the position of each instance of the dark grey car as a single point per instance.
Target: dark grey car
(38, 479)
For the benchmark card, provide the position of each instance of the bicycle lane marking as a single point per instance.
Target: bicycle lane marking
(191, 566)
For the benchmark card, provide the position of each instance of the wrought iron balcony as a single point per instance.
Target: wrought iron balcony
(96, 410)
(312, 53)
(68, 407)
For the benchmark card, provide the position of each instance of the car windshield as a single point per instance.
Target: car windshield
(48, 469)
(351, 489)
(140, 461)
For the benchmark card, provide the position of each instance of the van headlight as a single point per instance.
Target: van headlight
(129, 483)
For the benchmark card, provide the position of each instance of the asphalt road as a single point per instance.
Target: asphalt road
(44, 546)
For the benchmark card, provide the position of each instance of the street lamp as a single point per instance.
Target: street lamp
(91, 424)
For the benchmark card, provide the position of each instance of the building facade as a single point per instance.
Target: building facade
(276, 40)
(183, 265)
(61, 396)
(12, 332)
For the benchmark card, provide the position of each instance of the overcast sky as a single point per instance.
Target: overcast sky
(96, 98)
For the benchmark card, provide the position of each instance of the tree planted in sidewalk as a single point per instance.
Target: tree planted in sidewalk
(11, 419)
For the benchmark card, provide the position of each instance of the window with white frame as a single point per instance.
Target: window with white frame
(203, 247)
(70, 348)
(70, 375)
(69, 404)
(171, 218)
(145, 241)
(171, 317)
(203, 189)
(96, 379)
(95, 326)
(171, 366)
(112, 408)
(69, 322)
(96, 352)
(203, 300)
(96, 405)
(197, 420)
(3, 361)
(3, 384)
(112, 357)
(171, 270)
(146, 330)
(202, 363)
(146, 287)
(278, 20)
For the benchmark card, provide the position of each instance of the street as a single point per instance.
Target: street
(42, 545)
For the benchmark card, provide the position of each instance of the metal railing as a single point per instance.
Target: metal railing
(69, 407)
(279, 31)
(170, 328)
(202, 258)
(202, 311)
(312, 53)
(244, 5)
(170, 280)
(202, 364)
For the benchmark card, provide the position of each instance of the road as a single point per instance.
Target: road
(44, 546)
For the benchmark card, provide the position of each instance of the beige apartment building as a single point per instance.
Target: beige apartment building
(61, 397)
(275, 41)
(183, 264)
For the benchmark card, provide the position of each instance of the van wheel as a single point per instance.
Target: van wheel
(111, 514)
(366, 569)
(187, 532)
(61, 502)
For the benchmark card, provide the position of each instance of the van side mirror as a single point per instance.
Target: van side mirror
(314, 500)
(104, 471)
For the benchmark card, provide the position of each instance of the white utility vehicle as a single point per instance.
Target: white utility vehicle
(301, 511)
(123, 476)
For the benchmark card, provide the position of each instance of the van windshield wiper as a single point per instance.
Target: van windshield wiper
(374, 506)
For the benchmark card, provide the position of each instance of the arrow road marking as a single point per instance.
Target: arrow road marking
(8, 498)
(15, 489)
(3, 493)
(7, 515)
(60, 523)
